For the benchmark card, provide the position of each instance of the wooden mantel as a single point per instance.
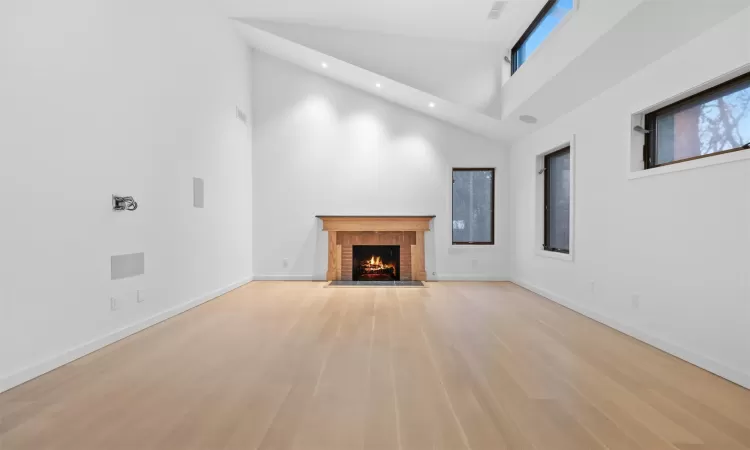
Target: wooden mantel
(406, 231)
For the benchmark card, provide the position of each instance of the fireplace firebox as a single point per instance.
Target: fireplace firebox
(376, 262)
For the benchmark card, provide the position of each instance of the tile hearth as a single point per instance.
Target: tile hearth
(366, 283)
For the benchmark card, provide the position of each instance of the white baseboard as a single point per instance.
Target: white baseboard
(704, 362)
(467, 277)
(287, 277)
(79, 351)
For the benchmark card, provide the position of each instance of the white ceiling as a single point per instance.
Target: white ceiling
(462, 72)
(459, 20)
(446, 52)
(353, 75)
(426, 50)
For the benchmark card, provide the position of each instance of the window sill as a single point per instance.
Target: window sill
(472, 245)
(694, 164)
(555, 255)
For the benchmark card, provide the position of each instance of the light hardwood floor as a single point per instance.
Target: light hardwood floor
(455, 366)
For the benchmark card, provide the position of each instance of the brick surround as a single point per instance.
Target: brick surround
(404, 239)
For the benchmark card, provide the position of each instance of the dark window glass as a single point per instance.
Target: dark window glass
(557, 201)
(473, 206)
(713, 121)
(547, 20)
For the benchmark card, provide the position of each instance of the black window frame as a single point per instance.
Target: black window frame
(547, 185)
(514, 65)
(492, 204)
(650, 145)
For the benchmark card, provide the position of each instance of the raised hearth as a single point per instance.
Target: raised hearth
(397, 240)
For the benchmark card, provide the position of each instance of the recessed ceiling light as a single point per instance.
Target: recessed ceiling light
(528, 119)
(324, 65)
(432, 104)
(377, 85)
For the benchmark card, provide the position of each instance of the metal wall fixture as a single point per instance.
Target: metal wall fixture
(124, 203)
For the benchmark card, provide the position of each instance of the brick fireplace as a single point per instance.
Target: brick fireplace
(405, 232)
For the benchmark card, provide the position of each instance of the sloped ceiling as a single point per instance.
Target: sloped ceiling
(465, 73)
(447, 54)
(422, 52)
(456, 20)
(447, 48)
(376, 84)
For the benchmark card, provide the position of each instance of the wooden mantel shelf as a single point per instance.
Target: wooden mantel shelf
(376, 223)
(405, 231)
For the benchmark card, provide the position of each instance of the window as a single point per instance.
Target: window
(473, 206)
(557, 201)
(711, 122)
(547, 20)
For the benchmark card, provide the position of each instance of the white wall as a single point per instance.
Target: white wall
(680, 241)
(102, 97)
(315, 139)
(589, 21)
(567, 69)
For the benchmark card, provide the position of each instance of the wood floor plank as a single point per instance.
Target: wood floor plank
(291, 366)
(381, 428)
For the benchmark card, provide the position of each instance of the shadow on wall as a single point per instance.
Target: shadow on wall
(311, 246)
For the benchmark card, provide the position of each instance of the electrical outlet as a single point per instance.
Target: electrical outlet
(434, 273)
(635, 301)
(138, 297)
(113, 304)
(474, 263)
(593, 286)
(285, 263)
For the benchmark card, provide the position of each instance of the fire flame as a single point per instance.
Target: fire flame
(375, 263)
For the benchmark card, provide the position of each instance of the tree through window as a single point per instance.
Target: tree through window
(711, 122)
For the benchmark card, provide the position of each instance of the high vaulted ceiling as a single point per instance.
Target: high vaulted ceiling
(422, 51)
(445, 59)
(459, 20)
(447, 48)
(462, 72)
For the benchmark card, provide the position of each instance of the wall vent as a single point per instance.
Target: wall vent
(497, 8)
(126, 266)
